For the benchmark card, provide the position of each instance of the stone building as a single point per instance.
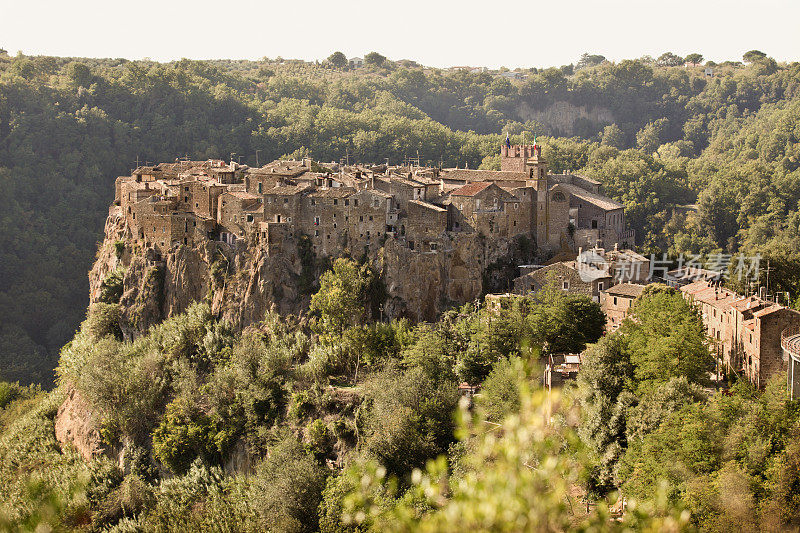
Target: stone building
(569, 276)
(617, 301)
(355, 209)
(747, 331)
(565, 209)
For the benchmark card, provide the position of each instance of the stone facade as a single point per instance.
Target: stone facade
(617, 302)
(745, 330)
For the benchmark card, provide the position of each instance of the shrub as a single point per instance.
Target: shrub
(186, 433)
(111, 287)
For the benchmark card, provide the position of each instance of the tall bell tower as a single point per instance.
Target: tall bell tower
(536, 168)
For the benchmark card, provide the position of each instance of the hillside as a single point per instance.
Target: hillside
(69, 126)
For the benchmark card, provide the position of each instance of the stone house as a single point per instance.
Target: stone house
(238, 214)
(746, 331)
(569, 276)
(617, 301)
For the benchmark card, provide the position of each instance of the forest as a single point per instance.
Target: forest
(702, 163)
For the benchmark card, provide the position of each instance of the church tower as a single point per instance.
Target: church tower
(536, 168)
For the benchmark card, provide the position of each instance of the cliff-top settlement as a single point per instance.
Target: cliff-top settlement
(358, 208)
(434, 235)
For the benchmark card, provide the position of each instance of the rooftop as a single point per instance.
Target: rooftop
(626, 289)
(471, 189)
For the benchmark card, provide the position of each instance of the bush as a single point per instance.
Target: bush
(111, 287)
(186, 433)
(287, 488)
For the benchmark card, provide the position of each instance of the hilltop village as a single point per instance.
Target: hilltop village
(356, 209)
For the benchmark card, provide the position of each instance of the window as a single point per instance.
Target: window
(600, 286)
(316, 233)
(286, 200)
(186, 199)
(434, 246)
(594, 224)
(361, 218)
(346, 202)
(249, 218)
(196, 204)
(335, 201)
(370, 218)
(376, 202)
(313, 201)
(355, 202)
(316, 221)
(260, 187)
(565, 285)
(615, 300)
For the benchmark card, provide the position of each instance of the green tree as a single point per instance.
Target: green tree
(753, 56)
(342, 296)
(613, 136)
(337, 59)
(666, 339)
(375, 59)
(694, 58)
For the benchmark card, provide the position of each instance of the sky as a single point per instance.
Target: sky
(434, 33)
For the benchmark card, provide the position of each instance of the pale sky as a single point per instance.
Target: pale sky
(434, 33)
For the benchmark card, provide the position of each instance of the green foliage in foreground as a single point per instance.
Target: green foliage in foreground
(271, 430)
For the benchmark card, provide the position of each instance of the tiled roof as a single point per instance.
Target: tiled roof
(603, 202)
(695, 286)
(426, 205)
(483, 175)
(771, 309)
(626, 289)
(471, 189)
(244, 195)
(287, 189)
(746, 303)
(333, 192)
(716, 297)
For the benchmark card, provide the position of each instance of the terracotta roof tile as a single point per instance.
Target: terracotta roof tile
(471, 189)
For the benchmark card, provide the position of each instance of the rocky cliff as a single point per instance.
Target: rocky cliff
(243, 282)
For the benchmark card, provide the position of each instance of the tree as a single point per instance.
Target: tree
(753, 56)
(410, 419)
(666, 339)
(287, 488)
(613, 136)
(694, 58)
(375, 59)
(340, 301)
(604, 385)
(650, 137)
(589, 60)
(337, 59)
(668, 59)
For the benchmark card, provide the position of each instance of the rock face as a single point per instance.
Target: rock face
(562, 116)
(243, 282)
(75, 423)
